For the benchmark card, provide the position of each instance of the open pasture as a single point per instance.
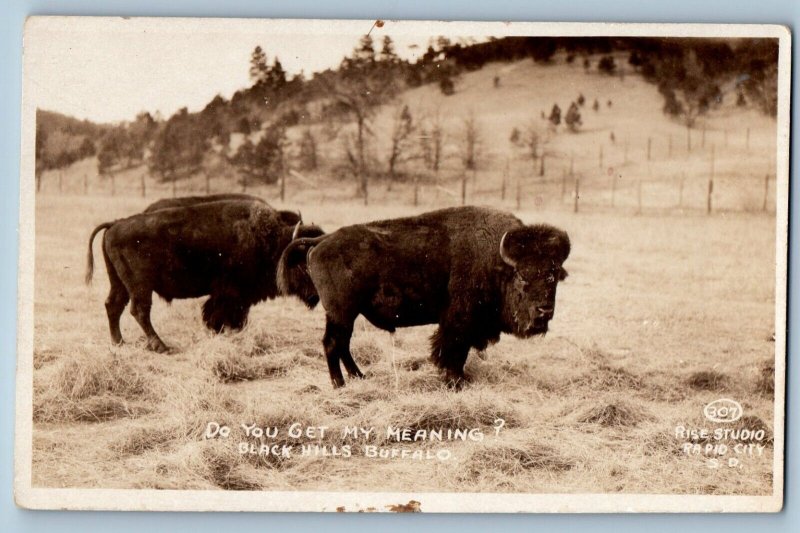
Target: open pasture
(660, 315)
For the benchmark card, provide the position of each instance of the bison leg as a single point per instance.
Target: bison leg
(337, 348)
(349, 363)
(140, 309)
(222, 310)
(449, 351)
(115, 303)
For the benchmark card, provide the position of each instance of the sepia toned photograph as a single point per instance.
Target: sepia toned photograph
(399, 266)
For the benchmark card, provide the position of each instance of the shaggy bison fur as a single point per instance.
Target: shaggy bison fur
(475, 272)
(226, 249)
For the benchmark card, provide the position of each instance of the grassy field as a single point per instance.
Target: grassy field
(660, 315)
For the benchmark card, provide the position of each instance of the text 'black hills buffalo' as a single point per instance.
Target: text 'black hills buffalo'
(476, 272)
(226, 249)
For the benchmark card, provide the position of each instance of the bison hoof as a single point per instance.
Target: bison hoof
(455, 381)
(156, 345)
(338, 383)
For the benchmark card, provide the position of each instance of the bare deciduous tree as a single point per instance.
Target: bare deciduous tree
(403, 128)
(470, 143)
(361, 86)
(432, 139)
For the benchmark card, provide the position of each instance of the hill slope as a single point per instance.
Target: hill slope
(609, 151)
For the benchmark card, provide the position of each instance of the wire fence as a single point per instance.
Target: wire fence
(657, 173)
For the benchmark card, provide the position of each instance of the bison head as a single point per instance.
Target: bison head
(292, 274)
(536, 255)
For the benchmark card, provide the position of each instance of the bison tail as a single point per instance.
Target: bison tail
(90, 255)
(292, 275)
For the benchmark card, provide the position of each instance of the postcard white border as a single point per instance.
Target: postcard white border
(191, 500)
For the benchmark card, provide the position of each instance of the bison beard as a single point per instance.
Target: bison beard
(475, 272)
(226, 249)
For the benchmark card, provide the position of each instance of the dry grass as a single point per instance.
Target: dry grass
(708, 380)
(591, 407)
(233, 368)
(366, 351)
(93, 390)
(615, 414)
(765, 382)
(514, 460)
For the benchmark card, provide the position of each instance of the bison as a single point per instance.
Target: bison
(225, 249)
(287, 217)
(476, 272)
(187, 201)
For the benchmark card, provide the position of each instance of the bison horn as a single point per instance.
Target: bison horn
(299, 215)
(503, 253)
(296, 230)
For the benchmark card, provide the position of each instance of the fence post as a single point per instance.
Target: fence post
(283, 186)
(505, 179)
(688, 138)
(464, 189)
(710, 192)
(143, 187)
(649, 146)
(519, 193)
(766, 192)
(613, 189)
(208, 183)
(572, 165)
(710, 182)
(639, 198)
(416, 192)
(113, 184)
(577, 194)
(174, 186)
(703, 136)
(541, 165)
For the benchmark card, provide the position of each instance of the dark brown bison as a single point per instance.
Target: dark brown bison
(287, 217)
(475, 272)
(226, 249)
(187, 201)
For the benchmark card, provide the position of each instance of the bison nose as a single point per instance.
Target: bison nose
(544, 312)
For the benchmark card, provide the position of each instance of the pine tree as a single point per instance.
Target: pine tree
(388, 54)
(259, 70)
(277, 76)
(365, 52)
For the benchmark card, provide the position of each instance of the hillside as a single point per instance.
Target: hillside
(629, 118)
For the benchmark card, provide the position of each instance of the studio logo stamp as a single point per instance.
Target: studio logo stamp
(730, 446)
(723, 411)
